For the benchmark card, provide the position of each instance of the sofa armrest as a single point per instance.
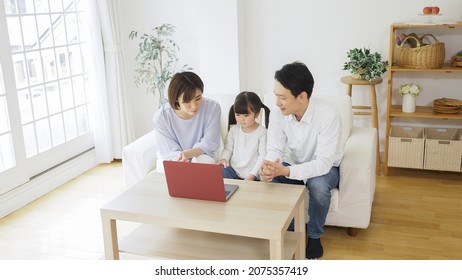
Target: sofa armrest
(357, 176)
(139, 158)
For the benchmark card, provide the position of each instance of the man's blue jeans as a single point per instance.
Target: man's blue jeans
(319, 190)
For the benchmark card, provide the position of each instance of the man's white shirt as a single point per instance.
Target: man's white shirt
(312, 145)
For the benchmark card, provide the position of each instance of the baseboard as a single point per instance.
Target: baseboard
(46, 182)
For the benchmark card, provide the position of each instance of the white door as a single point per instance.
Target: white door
(45, 99)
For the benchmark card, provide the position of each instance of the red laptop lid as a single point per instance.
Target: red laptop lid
(195, 180)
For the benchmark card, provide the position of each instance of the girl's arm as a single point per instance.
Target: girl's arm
(261, 153)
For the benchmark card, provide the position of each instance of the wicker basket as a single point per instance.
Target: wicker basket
(443, 149)
(421, 57)
(406, 147)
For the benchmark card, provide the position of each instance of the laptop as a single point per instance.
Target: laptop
(197, 181)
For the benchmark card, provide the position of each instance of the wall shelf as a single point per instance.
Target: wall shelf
(423, 112)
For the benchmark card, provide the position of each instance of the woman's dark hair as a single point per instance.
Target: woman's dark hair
(296, 77)
(186, 83)
(247, 102)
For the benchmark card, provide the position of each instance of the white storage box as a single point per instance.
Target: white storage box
(406, 147)
(443, 149)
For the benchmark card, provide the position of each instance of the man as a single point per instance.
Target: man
(310, 131)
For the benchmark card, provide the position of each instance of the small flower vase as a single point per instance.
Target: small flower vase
(409, 103)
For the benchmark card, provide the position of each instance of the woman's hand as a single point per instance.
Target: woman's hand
(182, 157)
(187, 155)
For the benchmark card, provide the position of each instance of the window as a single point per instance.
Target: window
(45, 109)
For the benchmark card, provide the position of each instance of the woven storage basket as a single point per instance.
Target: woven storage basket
(443, 149)
(421, 57)
(406, 147)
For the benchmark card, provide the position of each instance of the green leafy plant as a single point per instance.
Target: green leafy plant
(411, 89)
(365, 64)
(459, 53)
(156, 59)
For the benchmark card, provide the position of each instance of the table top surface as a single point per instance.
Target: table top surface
(349, 80)
(256, 209)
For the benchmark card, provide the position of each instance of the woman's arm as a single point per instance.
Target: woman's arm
(169, 147)
(210, 141)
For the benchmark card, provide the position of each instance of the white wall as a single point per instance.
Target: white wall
(319, 33)
(206, 32)
(238, 44)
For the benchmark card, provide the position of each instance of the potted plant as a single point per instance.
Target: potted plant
(409, 93)
(363, 64)
(156, 60)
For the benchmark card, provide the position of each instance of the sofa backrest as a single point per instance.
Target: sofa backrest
(343, 104)
(341, 101)
(225, 101)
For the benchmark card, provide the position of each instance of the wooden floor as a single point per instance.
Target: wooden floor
(416, 215)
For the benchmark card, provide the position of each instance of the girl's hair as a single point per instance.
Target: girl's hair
(186, 83)
(247, 102)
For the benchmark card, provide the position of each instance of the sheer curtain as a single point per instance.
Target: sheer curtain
(113, 122)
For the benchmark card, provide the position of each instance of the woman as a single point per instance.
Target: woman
(188, 126)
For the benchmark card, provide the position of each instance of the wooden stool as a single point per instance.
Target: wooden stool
(372, 109)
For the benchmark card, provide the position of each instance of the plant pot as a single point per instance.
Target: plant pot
(409, 103)
(357, 75)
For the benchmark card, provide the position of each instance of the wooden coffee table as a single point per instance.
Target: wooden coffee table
(250, 225)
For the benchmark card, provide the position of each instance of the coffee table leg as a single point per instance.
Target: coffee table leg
(111, 245)
(300, 221)
(276, 249)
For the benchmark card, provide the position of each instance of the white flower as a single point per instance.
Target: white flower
(412, 89)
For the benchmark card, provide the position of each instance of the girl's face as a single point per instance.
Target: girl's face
(187, 110)
(247, 121)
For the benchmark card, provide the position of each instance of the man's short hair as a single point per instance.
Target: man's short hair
(295, 77)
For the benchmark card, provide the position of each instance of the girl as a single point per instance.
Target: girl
(245, 146)
(188, 126)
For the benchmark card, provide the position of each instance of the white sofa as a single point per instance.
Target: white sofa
(351, 204)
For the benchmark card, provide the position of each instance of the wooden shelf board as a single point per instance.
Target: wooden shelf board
(173, 243)
(429, 25)
(411, 168)
(447, 68)
(423, 112)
